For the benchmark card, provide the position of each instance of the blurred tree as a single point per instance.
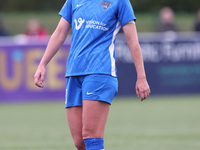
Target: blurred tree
(138, 5)
(156, 5)
(31, 5)
(2, 3)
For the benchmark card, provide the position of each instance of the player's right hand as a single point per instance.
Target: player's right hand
(39, 77)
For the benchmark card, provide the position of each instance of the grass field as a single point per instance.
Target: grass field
(156, 124)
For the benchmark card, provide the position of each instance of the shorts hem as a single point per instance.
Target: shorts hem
(73, 106)
(109, 102)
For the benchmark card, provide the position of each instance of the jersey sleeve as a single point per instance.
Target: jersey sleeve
(125, 12)
(66, 11)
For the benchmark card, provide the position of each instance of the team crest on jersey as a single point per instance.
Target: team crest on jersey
(106, 4)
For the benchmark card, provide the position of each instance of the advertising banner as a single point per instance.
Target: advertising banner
(18, 64)
(172, 65)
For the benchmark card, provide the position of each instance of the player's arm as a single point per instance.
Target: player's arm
(142, 87)
(55, 42)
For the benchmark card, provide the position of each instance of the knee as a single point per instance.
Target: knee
(88, 132)
(79, 143)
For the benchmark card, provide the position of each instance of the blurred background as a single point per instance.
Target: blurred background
(16, 14)
(169, 35)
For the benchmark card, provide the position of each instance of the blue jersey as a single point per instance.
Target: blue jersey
(95, 24)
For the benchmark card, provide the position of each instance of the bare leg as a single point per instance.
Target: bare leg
(74, 116)
(95, 115)
(88, 121)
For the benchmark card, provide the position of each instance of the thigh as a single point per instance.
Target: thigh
(95, 115)
(74, 117)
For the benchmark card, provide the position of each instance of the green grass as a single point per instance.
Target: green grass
(16, 22)
(159, 123)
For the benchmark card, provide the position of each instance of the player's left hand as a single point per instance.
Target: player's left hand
(142, 88)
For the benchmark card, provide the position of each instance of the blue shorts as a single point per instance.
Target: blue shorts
(98, 87)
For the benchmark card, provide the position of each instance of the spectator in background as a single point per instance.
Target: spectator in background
(166, 21)
(3, 31)
(36, 30)
(197, 25)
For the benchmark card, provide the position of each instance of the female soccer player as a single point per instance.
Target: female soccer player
(91, 70)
